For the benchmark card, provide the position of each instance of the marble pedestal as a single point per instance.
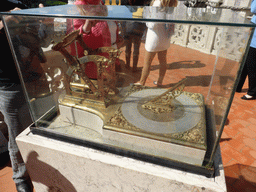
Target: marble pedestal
(59, 166)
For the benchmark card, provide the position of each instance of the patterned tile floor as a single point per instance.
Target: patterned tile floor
(238, 144)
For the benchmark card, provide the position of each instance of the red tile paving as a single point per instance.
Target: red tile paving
(238, 144)
(6, 182)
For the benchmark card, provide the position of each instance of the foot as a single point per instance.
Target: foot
(157, 84)
(138, 84)
(248, 97)
(24, 187)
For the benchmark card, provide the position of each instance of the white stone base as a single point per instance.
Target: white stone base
(59, 166)
(177, 152)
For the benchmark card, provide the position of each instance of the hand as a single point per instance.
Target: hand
(88, 25)
(15, 19)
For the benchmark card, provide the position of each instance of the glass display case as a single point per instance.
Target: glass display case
(79, 66)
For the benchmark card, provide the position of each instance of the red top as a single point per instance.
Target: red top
(98, 37)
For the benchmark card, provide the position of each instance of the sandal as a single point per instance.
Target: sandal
(158, 85)
(248, 97)
(138, 84)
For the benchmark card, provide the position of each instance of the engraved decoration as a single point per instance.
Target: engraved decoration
(233, 42)
(207, 39)
(201, 38)
(180, 36)
(164, 102)
(197, 35)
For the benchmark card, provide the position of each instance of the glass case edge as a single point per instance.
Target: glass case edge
(206, 171)
(133, 19)
(216, 144)
(16, 65)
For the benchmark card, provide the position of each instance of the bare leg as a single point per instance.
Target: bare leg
(128, 52)
(163, 66)
(149, 56)
(136, 51)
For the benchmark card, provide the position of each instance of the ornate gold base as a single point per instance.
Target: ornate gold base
(184, 125)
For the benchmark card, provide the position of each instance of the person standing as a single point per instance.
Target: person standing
(250, 64)
(133, 32)
(95, 33)
(13, 104)
(157, 42)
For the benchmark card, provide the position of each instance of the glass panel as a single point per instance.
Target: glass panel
(80, 81)
(179, 14)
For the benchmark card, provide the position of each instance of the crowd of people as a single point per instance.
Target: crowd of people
(96, 34)
(106, 34)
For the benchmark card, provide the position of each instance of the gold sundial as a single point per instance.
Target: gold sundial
(171, 115)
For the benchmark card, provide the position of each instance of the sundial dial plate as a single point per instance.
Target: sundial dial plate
(186, 115)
